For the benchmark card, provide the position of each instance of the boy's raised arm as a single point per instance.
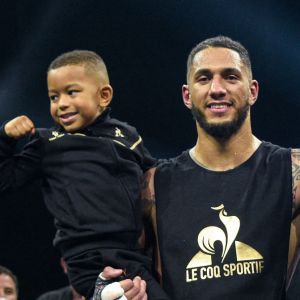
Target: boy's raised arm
(18, 167)
(19, 127)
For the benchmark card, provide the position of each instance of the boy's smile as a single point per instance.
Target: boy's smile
(75, 96)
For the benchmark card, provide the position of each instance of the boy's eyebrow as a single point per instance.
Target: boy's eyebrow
(71, 85)
(65, 87)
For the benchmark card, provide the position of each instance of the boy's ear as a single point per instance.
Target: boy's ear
(106, 94)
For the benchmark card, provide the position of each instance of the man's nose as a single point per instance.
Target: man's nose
(217, 88)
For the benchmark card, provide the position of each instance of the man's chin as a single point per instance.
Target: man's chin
(219, 123)
(221, 128)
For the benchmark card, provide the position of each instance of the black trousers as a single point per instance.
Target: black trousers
(84, 268)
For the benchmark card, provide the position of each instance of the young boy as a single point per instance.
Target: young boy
(91, 167)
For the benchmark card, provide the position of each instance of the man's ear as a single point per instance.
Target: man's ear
(106, 95)
(186, 96)
(254, 88)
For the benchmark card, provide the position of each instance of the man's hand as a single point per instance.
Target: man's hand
(19, 127)
(133, 289)
(137, 291)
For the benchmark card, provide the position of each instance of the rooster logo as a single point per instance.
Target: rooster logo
(211, 234)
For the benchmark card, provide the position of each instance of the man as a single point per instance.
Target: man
(8, 284)
(227, 210)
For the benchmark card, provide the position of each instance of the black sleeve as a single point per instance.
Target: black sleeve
(127, 136)
(17, 169)
(147, 160)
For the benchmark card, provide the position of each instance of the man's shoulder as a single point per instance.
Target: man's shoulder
(274, 152)
(273, 147)
(178, 161)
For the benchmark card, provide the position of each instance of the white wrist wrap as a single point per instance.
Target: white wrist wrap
(112, 291)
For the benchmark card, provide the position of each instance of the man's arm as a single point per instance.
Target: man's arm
(148, 194)
(136, 288)
(296, 181)
(149, 210)
(295, 225)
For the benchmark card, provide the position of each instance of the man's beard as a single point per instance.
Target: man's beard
(221, 131)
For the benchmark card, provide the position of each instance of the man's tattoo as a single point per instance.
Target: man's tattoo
(148, 198)
(295, 174)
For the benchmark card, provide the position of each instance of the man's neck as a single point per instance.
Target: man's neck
(221, 155)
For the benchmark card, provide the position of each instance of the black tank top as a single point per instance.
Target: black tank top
(225, 235)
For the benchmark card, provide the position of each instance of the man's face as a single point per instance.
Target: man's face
(219, 91)
(75, 97)
(7, 287)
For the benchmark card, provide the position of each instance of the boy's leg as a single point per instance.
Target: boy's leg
(83, 270)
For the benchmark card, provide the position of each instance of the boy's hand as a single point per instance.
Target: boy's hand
(19, 127)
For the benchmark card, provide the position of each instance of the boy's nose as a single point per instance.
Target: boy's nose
(63, 101)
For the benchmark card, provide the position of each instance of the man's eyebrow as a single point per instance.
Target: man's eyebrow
(231, 70)
(202, 72)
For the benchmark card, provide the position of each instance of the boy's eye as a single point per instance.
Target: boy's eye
(53, 98)
(73, 92)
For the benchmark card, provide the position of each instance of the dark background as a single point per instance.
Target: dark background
(145, 45)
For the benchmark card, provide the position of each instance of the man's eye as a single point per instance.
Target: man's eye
(232, 77)
(203, 79)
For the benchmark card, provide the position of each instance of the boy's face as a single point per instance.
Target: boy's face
(75, 96)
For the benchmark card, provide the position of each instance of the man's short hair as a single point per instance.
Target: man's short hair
(89, 59)
(6, 271)
(220, 42)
